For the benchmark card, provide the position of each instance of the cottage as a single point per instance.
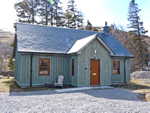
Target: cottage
(85, 58)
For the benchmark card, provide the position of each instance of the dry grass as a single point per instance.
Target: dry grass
(138, 86)
(9, 85)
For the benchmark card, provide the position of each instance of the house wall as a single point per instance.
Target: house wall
(18, 65)
(120, 77)
(84, 64)
(63, 65)
(74, 79)
(128, 70)
(58, 65)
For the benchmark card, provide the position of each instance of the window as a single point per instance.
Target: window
(44, 67)
(72, 67)
(116, 67)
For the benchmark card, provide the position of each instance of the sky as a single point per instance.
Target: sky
(96, 11)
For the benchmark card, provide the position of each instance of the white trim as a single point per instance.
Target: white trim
(81, 43)
(78, 52)
(94, 37)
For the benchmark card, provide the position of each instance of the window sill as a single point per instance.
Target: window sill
(43, 75)
(117, 74)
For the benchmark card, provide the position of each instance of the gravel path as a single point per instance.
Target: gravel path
(106, 100)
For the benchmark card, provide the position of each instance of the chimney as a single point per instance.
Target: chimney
(106, 29)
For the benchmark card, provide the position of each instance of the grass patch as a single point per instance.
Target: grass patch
(139, 86)
(9, 85)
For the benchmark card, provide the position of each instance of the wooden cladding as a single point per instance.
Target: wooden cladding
(72, 67)
(44, 67)
(116, 67)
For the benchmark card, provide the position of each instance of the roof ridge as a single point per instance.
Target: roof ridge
(39, 25)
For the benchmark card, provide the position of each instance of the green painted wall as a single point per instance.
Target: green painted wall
(18, 66)
(120, 77)
(128, 71)
(58, 65)
(74, 79)
(84, 64)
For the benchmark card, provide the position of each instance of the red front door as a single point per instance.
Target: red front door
(94, 72)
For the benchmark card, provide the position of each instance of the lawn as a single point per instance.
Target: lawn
(9, 85)
(138, 86)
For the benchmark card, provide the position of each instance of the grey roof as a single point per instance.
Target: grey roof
(46, 39)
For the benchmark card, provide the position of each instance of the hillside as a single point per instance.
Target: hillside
(6, 38)
(128, 42)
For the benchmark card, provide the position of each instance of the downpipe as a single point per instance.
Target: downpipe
(125, 70)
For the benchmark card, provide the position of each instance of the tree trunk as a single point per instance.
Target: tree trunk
(46, 14)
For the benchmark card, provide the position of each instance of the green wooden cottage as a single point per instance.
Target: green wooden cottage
(85, 58)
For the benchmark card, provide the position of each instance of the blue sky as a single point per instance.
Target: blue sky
(97, 11)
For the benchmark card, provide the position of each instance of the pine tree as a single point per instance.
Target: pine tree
(74, 18)
(89, 25)
(27, 10)
(51, 14)
(11, 64)
(44, 12)
(58, 13)
(137, 31)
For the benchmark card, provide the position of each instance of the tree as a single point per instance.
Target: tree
(51, 14)
(89, 25)
(1, 63)
(73, 17)
(58, 13)
(137, 31)
(44, 12)
(11, 64)
(27, 10)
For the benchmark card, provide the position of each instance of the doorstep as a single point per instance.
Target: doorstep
(83, 88)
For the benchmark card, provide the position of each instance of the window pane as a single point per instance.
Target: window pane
(116, 68)
(44, 63)
(44, 66)
(115, 64)
(43, 70)
(115, 71)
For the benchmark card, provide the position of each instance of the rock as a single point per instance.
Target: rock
(140, 75)
(1, 77)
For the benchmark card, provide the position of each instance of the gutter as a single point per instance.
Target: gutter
(123, 56)
(43, 53)
(125, 71)
(31, 71)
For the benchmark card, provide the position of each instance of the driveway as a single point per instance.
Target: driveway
(106, 100)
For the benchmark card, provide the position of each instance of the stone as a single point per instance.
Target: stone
(1, 77)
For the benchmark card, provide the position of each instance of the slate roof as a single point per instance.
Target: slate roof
(46, 39)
